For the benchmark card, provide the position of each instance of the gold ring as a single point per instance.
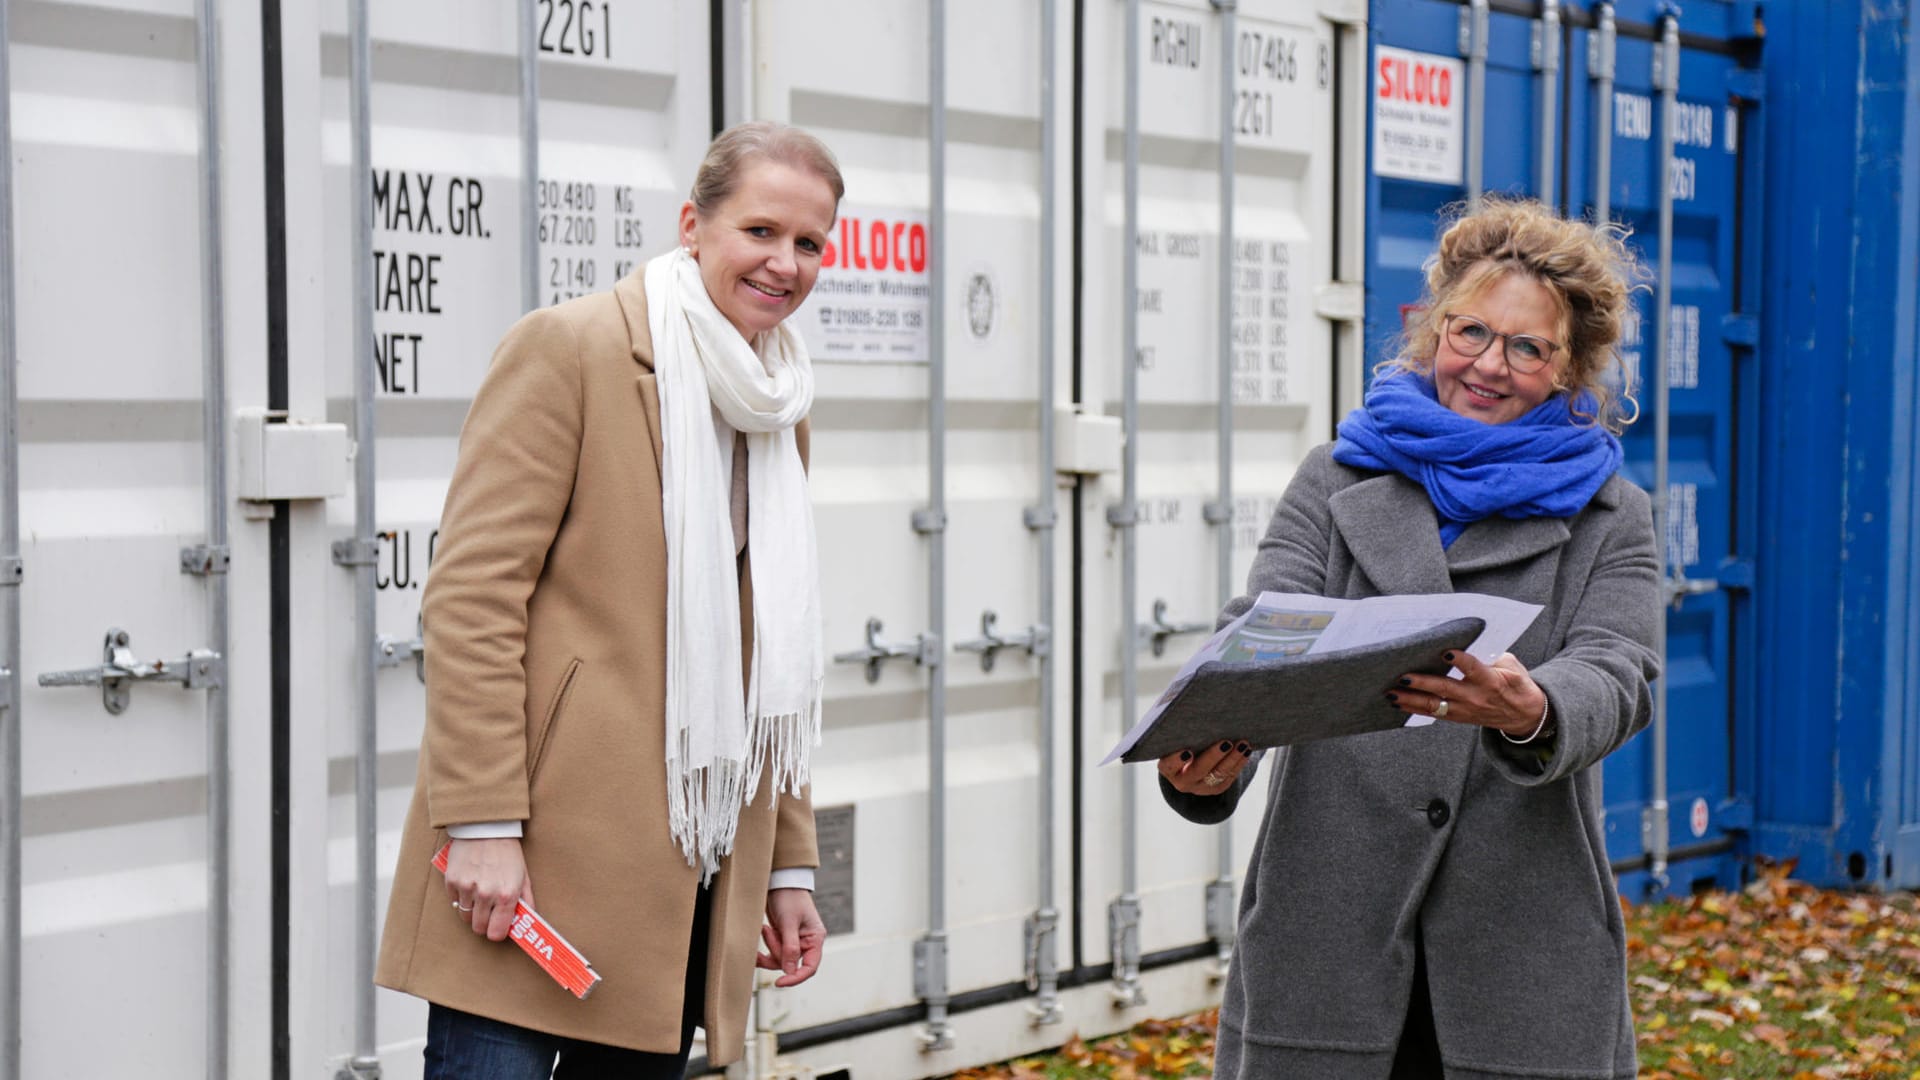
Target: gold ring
(1213, 779)
(1440, 713)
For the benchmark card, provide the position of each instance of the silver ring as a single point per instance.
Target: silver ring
(461, 910)
(1213, 779)
(1440, 712)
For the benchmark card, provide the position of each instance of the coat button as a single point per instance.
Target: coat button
(1438, 813)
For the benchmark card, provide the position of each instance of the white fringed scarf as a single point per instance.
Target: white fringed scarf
(712, 384)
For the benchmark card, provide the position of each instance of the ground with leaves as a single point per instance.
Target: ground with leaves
(1778, 980)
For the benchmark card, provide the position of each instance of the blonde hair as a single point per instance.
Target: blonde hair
(1588, 269)
(731, 150)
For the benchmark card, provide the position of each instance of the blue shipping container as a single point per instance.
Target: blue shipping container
(1572, 113)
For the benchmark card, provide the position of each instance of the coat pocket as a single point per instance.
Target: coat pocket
(554, 709)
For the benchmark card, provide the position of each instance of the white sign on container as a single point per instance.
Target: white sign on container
(870, 301)
(1418, 115)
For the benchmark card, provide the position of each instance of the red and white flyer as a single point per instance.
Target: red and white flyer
(538, 939)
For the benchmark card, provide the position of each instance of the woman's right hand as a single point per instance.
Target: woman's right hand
(1210, 770)
(484, 878)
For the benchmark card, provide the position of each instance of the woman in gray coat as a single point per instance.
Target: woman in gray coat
(1436, 901)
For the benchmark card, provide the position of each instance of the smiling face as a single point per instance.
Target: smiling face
(1485, 387)
(759, 250)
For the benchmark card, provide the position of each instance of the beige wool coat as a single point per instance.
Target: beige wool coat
(545, 628)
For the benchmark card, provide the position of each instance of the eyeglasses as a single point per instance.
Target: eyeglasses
(1525, 353)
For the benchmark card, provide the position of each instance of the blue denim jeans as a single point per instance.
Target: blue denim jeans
(462, 1046)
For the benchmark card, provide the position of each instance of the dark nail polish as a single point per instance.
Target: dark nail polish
(1406, 682)
(1393, 697)
(1244, 747)
(1447, 656)
(1186, 755)
(1225, 746)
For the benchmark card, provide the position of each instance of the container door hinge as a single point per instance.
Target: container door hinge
(930, 985)
(1222, 924)
(1745, 21)
(12, 571)
(1747, 85)
(1040, 946)
(205, 559)
(1340, 301)
(1736, 573)
(1123, 940)
(359, 1069)
(1653, 827)
(1740, 329)
(1217, 512)
(1735, 814)
(1344, 12)
(928, 522)
(356, 551)
(201, 669)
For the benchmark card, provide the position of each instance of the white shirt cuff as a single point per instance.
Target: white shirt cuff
(485, 830)
(797, 877)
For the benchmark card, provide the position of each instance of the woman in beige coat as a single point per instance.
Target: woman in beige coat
(623, 654)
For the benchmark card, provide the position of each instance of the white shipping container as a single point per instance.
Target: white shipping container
(108, 163)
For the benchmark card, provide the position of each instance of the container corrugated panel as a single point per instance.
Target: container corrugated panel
(1420, 76)
(1706, 378)
(1282, 384)
(1838, 721)
(623, 120)
(107, 165)
(868, 325)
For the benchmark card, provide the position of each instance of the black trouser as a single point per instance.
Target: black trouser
(1418, 1057)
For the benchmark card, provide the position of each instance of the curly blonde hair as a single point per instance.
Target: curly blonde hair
(1588, 269)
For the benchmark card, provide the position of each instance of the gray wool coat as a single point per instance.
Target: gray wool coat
(1487, 856)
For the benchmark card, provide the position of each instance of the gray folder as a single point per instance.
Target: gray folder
(1298, 699)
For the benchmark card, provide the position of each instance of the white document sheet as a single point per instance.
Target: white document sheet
(1293, 624)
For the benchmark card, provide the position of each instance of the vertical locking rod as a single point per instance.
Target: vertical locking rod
(937, 1034)
(1123, 913)
(529, 156)
(1666, 78)
(213, 426)
(1221, 516)
(1043, 926)
(1549, 30)
(365, 1063)
(9, 591)
(1600, 59)
(1476, 14)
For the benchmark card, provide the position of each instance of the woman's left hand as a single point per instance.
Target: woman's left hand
(793, 934)
(1500, 695)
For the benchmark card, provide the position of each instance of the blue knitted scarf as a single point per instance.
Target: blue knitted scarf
(1539, 464)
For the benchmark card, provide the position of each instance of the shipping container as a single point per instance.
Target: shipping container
(1578, 106)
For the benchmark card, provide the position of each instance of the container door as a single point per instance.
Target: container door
(1710, 375)
(115, 909)
(623, 120)
(856, 73)
(1287, 64)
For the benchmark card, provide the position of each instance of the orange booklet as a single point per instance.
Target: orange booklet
(538, 939)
